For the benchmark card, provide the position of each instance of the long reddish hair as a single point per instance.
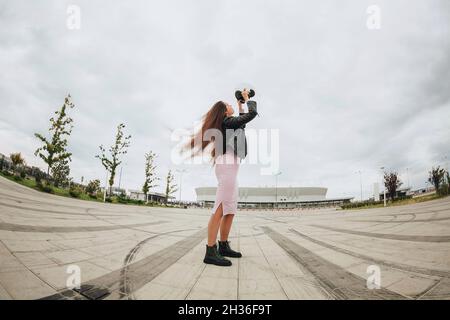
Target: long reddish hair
(211, 120)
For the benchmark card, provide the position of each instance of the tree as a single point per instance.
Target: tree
(54, 149)
(93, 187)
(61, 172)
(392, 183)
(170, 186)
(120, 147)
(17, 159)
(436, 177)
(441, 181)
(150, 174)
(38, 176)
(445, 189)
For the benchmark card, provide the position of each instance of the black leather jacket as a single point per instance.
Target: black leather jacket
(233, 131)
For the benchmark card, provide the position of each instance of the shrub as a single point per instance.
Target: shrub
(108, 200)
(45, 188)
(37, 174)
(23, 174)
(133, 201)
(48, 189)
(17, 178)
(122, 200)
(353, 205)
(443, 190)
(75, 191)
(93, 187)
(6, 173)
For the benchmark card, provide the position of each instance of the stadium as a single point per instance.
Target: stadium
(272, 197)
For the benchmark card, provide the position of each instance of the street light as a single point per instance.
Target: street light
(276, 187)
(360, 182)
(120, 175)
(180, 171)
(384, 189)
(407, 176)
(106, 183)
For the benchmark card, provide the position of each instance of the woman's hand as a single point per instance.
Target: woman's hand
(245, 95)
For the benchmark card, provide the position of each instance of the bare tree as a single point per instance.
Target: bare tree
(55, 148)
(436, 177)
(392, 183)
(119, 147)
(170, 186)
(445, 189)
(17, 159)
(150, 174)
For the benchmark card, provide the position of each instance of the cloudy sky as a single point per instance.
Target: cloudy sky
(343, 97)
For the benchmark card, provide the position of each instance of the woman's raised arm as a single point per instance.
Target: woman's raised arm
(238, 122)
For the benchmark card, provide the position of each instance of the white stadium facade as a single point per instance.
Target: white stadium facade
(272, 197)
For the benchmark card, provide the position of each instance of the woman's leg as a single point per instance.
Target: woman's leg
(213, 225)
(225, 226)
(224, 246)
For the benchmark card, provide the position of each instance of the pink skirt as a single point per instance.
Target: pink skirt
(226, 169)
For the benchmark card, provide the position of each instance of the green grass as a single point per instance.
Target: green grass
(31, 183)
(399, 202)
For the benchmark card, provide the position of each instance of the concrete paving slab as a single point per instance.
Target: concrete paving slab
(24, 285)
(133, 252)
(214, 288)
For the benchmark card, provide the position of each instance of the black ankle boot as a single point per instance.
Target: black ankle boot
(226, 251)
(212, 256)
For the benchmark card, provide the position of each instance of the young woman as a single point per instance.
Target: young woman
(227, 154)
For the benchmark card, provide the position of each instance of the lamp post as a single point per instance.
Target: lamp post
(276, 187)
(446, 162)
(384, 188)
(180, 171)
(106, 183)
(407, 176)
(360, 183)
(120, 176)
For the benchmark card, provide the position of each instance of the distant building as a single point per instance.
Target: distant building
(152, 196)
(271, 197)
(115, 191)
(401, 193)
(5, 160)
(423, 191)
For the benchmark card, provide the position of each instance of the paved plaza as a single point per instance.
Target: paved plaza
(131, 252)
